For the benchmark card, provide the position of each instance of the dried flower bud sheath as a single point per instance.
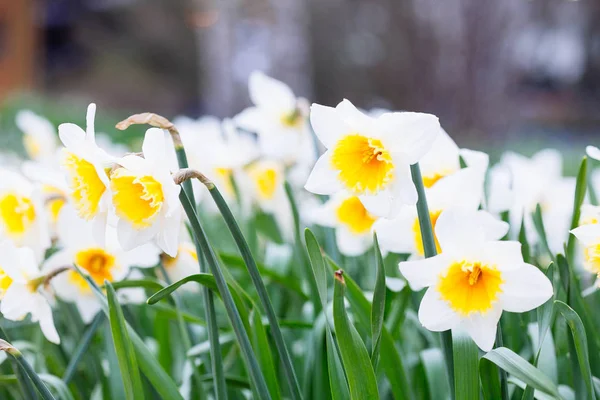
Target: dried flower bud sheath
(187, 173)
(155, 120)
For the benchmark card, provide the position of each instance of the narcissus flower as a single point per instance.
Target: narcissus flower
(100, 260)
(22, 287)
(370, 157)
(351, 220)
(589, 235)
(593, 152)
(182, 265)
(462, 190)
(39, 136)
(86, 166)
(279, 119)
(22, 214)
(145, 198)
(474, 278)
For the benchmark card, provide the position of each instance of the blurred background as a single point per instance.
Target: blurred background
(494, 72)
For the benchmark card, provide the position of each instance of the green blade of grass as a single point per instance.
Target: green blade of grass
(435, 373)
(538, 222)
(355, 358)
(466, 366)
(580, 189)
(490, 382)
(517, 366)
(82, 347)
(579, 342)
(378, 307)
(337, 377)
(263, 352)
(233, 313)
(17, 356)
(123, 347)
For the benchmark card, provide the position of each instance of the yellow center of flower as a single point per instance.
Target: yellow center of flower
(17, 213)
(55, 201)
(433, 215)
(97, 262)
(292, 119)
(355, 216)
(364, 165)
(470, 287)
(137, 199)
(32, 146)
(592, 258)
(170, 262)
(224, 177)
(87, 187)
(265, 180)
(5, 282)
(431, 179)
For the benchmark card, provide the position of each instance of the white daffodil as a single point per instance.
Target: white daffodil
(217, 150)
(264, 181)
(474, 278)
(22, 216)
(370, 157)
(85, 166)
(518, 184)
(443, 159)
(39, 135)
(182, 265)
(279, 120)
(101, 260)
(593, 152)
(145, 198)
(53, 188)
(21, 285)
(589, 235)
(462, 190)
(351, 220)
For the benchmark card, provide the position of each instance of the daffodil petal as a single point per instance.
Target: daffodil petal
(435, 314)
(269, 93)
(154, 145)
(327, 124)
(71, 135)
(524, 289)
(588, 234)
(505, 255)
(593, 152)
(351, 244)
(323, 179)
(44, 314)
(423, 273)
(413, 133)
(482, 328)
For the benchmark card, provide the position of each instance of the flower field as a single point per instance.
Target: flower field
(294, 251)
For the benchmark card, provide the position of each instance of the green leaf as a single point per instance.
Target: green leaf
(265, 224)
(538, 222)
(317, 264)
(580, 189)
(490, 380)
(82, 347)
(378, 308)
(150, 367)
(580, 343)
(146, 283)
(337, 378)
(525, 248)
(515, 365)
(435, 373)
(123, 347)
(263, 353)
(35, 378)
(466, 366)
(355, 358)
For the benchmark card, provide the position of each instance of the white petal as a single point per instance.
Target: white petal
(168, 238)
(351, 244)
(475, 159)
(466, 229)
(482, 328)
(548, 162)
(71, 135)
(388, 202)
(524, 289)
(88, 307)
(396, 235)
(593, 152)
(354, 118)
(251, 119)
(269, 93)
(133, 163)
(462, 189)
(130, 238)
(154, 145)
(89, 121)
(435, 314)
(492, 227)
(588, 234)
(144, 256)
(423, 273)
(505, 255)
(327, 124)
(17, 302)
(410, 133)
(27, 262)
(323, 179)
(44, 315)
(395, 284)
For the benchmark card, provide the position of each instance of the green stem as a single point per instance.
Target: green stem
(25, 383)
(430, 251)
(232, 311)
(82, 347)
(261, 290)
(37, 381)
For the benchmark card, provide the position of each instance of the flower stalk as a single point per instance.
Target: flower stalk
(430, 251)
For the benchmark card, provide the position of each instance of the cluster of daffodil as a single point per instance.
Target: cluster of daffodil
(115, 215)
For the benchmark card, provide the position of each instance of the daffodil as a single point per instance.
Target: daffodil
(145, 199)
(352, 222)
(589, 235)
(518, 184)
(279, 119)
(39, 135)
(184, 264)
(86, 166)
(101, 260)
(593, 152)
(474, 278)
(462, 190)
(370, 157)
(22, 285)
(22, 214)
